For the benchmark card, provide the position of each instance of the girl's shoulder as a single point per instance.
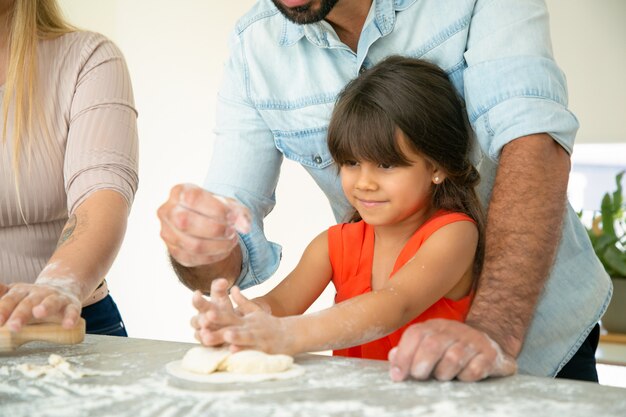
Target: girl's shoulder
(444, 217)
(438, 220)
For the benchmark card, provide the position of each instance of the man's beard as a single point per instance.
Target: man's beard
(305, 14)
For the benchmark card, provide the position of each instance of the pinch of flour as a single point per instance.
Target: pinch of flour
(60, 367)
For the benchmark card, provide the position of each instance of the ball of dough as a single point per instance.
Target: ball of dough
(255, 362)
(204, 360)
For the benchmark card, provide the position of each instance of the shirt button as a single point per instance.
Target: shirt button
(317, 159)
(362, 69)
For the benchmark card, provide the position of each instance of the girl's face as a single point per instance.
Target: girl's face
(390, 195)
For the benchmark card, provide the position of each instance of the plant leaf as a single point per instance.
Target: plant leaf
(602, 242)
(616, 260)
(606, 210)
(617, 194)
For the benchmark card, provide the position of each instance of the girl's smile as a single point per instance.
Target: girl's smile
(370, 204)
(387, 194)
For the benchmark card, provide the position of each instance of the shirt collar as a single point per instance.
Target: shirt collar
(383, 16)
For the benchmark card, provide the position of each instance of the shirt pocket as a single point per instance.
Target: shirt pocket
(307, 147)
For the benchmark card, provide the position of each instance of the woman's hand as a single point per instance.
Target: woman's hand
(51, 301)
(85, 251)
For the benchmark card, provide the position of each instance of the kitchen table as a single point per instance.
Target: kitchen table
(138, 385)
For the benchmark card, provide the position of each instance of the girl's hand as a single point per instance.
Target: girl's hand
(218, 313)
(261, 331)
(50, 301)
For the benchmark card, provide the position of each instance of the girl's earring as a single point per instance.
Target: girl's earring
(436, 179)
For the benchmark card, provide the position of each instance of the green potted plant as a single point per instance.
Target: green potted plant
(608, 237)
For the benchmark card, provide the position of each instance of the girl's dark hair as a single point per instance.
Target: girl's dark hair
(417, 98)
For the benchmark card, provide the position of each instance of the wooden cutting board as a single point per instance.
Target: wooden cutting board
(44, 332)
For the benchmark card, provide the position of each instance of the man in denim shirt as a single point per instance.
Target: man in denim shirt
(541, 291)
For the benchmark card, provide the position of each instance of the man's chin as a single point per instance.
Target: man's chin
(292, 4)
(304, 12)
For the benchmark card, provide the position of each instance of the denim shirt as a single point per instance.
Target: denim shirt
(280, 86)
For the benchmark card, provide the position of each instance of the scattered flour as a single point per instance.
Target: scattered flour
(58, 367)
(336, 387)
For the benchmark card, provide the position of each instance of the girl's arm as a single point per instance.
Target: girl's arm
(88, 245)
(292, 296)
(304, 284)
(437, 268)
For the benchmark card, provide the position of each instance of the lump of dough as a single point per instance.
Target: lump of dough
(255, 362)
(204, 360)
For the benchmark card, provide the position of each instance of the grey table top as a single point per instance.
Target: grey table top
(330, 387)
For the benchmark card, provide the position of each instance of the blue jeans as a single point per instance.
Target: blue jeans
(104, 318)
(582, 366)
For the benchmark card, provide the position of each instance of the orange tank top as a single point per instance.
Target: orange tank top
(351, 251)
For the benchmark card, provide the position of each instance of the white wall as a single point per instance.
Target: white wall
(175, 52)
(589, 43)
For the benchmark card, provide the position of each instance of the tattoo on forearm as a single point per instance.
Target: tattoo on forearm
(68, 230)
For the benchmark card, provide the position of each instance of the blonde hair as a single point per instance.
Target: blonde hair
(30, 21)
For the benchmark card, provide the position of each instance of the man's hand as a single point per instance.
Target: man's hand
(447, 349)
(199, 228)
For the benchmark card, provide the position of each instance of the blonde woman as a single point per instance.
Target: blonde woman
(68, 168)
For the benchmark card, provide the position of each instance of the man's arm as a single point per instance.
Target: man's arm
(201, 277)
(523, 230)
(513, 90)
(245, 166)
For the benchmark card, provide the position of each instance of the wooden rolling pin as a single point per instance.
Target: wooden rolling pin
(43, 332)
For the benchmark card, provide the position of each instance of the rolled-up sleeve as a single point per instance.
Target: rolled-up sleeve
(102, 144)
(512, 85)
(245, 165)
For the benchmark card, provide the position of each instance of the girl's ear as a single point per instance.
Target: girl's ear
(438, 176)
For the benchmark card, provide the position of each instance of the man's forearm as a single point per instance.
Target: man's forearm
(523, 231)
(200, 277)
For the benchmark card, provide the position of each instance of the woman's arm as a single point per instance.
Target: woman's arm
(86, 249)
(429, 276)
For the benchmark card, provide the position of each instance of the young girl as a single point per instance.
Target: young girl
(411, 251)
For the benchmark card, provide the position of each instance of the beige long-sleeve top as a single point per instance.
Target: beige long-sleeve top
(86, 140)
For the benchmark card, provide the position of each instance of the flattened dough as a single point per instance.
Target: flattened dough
(175, 369)
(256, 362)
(203, 360)
(219, 365)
